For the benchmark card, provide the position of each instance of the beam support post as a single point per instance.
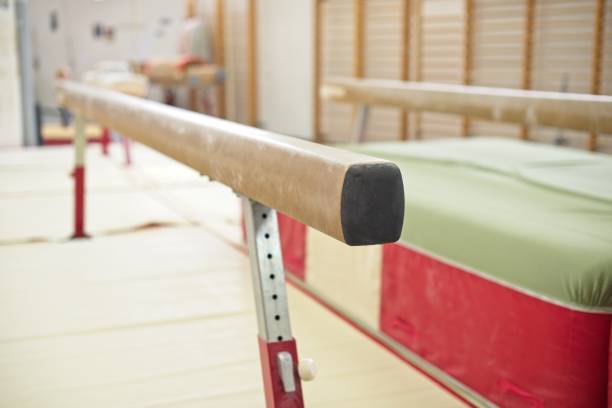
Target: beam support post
(78, 175)
(277, 347)
(127, 150)
(361, 123)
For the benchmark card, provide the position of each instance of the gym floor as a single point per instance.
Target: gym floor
(156, 309)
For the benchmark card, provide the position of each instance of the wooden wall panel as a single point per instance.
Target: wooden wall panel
(236, 61)
(336, 60)
(383, 59)
(605, 141)
(498, 29)
(562, 45)
(10, 81)
(442, 59)
(606, 78)
(563, 41)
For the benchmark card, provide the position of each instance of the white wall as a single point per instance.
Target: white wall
(285, 65)
(50, 49)
(10, 97)
(139, 34)
(285, 49)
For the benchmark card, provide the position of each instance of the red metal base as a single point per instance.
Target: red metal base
(79, 202)
(105, 141)
(276, 397)
(64, 142)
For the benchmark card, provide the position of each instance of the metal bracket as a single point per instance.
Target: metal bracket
(267, 271)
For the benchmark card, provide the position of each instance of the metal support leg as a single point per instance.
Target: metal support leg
(127, 150)
(361, 123)
(169, 97)
(80, 144)
(277, 347)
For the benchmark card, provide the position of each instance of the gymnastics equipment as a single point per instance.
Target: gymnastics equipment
(354, 198)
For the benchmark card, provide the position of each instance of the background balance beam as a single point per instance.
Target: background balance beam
(565, 110)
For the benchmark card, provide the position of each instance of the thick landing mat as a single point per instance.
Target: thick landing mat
(164, 318)
(36, 201)
(160, 317)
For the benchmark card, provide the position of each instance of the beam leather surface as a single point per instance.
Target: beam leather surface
(352, 197)
(565, 110)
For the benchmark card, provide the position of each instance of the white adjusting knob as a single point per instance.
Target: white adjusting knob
(307, 369)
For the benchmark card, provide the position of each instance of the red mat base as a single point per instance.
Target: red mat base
(511, 348)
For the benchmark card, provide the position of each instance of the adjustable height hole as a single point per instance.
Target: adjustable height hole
(275, 296)
(267, 236)
(264, 216)
(277, 317)
(272, 276)
(280, 338)
(269, 256)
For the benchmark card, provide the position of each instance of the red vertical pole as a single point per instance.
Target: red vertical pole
(105, 141)
(79, 178)
(169, 98)
(79, 202)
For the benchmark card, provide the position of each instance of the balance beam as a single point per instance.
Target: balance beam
(584, 112)
(168, 73)
(354, 198)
